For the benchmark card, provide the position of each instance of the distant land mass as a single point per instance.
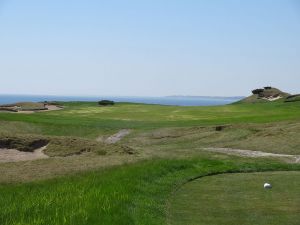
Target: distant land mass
(213, 97)
(171, 100)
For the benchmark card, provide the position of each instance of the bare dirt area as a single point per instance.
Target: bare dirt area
(115, 137)
(254, 154)
(13, 155)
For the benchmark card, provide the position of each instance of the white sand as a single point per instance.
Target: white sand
(254, 154)
(13, 155)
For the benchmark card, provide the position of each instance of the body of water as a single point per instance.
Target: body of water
(178, 100)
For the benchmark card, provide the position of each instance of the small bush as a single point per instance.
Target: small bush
(257, 91)
(106, 102)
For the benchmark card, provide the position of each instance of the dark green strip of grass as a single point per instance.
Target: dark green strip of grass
(131, 194)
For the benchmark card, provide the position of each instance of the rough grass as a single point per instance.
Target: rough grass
(293, 98)
(283, 137)
(26, 105)
(238, 199)
(61, 146)
(66, 146)
(133, 194)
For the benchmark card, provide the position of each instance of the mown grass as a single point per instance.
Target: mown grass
(131, 194)
(88, 119)
(238, 199)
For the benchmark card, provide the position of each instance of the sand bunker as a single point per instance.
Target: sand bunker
(13, 155)
(49, 108)
(29, 108)
(117, 137)
(254, 154)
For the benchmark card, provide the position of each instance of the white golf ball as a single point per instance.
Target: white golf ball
(267, 186)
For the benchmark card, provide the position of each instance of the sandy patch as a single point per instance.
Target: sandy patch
(254, 154)
(114, 138)
(49, 108)
(13, 155)
(271, 98)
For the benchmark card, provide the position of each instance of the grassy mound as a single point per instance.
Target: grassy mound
(61, 146)
(293, 98)
(265, 94)
(24, 106)
(67, 146)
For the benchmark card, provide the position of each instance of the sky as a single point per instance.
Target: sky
(149, 47)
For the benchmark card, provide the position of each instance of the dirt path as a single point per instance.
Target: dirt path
(13, 155)
(254, 154)
(116, 137)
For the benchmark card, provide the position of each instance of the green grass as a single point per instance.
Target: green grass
(88, 119)
(238, 199)
(132, 194)
(294, 98)
(169, 137)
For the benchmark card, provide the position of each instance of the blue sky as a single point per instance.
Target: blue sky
(149, 47)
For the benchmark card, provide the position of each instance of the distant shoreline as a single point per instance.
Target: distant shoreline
(173, 101)
(214, 97)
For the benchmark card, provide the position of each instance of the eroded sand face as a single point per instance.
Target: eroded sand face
(13, 155)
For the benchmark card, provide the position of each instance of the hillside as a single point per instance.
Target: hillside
(293, 98)
(266, 94)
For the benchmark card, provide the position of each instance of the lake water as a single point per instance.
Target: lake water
(181, 101)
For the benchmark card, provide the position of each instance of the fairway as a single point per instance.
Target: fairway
(229, 199)
(89, 120)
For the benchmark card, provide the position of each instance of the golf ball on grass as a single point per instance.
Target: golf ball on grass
(267, 186)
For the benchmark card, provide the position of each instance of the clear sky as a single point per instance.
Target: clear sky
(149, 47)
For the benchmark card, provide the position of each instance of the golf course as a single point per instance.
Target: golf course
(150, 112)
(151, 164)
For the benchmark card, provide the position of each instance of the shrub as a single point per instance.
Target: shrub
(257, 91)
(106, 102)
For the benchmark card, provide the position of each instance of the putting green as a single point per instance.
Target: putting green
(230, 199)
